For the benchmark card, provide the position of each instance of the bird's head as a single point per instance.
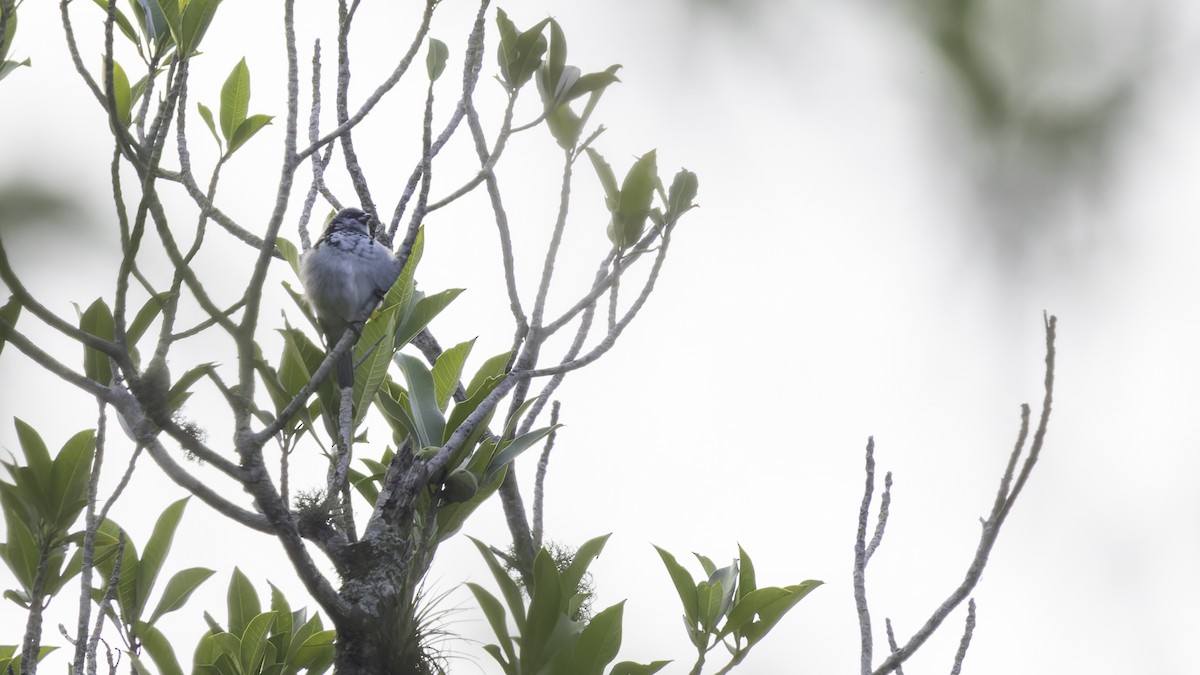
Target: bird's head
(352, 219)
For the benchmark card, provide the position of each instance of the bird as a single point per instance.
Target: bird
(345, 275)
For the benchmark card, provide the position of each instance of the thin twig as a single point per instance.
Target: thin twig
(860, 563)
(884, 502)
(539, 482)
(891, 636)
(963, 644)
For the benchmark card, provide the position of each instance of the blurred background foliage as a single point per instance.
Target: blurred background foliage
(1039, 94)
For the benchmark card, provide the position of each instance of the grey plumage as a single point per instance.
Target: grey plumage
(345, 275)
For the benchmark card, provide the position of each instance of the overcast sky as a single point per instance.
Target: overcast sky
(863, 262)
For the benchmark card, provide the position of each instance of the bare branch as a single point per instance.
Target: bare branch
(1000, 510)
(380, 91)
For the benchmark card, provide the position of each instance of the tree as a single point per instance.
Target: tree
(454, 438)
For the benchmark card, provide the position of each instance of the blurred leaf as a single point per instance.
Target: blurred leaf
(631, 668)
(637, 191)
(514, 448)
(7, 67)
(68, 484)
(565, 126)
(11, 311)
(146, 316)
(435, 60)
(97, 320)
(612, 193)
(235, 100)
(682, 194)
(520, 54)
(121, 93)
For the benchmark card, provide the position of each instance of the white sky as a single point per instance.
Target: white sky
(839, 281)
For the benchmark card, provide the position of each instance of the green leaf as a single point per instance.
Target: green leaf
(7, 67)
(145, 316)
(637, 191)
(159, 649)
(97, 320)
(243, 602)
(374, 353)
(154, 26)
(157, 547)
(493, 611)
(10, 30)
(631, 668)
(599, 642)
(724, 579)
(513, 449)
(769, 605)
(545, 608)
(584, 556)
(435, 60)
(746, 582)
(178, 393)
(121, 93)
(9, 314)
(612, 194)
(254, 645)
(519, 54)
(69, 480)
(427, 416)
(508, 587)
(171, 10)
(425, 310)
(122, 22)
(196, 18)
(706, 564)
(682, 194)
(207, 116)
(708, 601)
(447, 371)
(246, 130)
(179, 589)
(284, 621)
(557, 58)
(290, 253)
(592, 82)
(235, 100)
(20, 553)
(492, 368)
(685, 586)
(565, 126)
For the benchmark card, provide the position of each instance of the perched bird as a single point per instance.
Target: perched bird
(345, 275)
